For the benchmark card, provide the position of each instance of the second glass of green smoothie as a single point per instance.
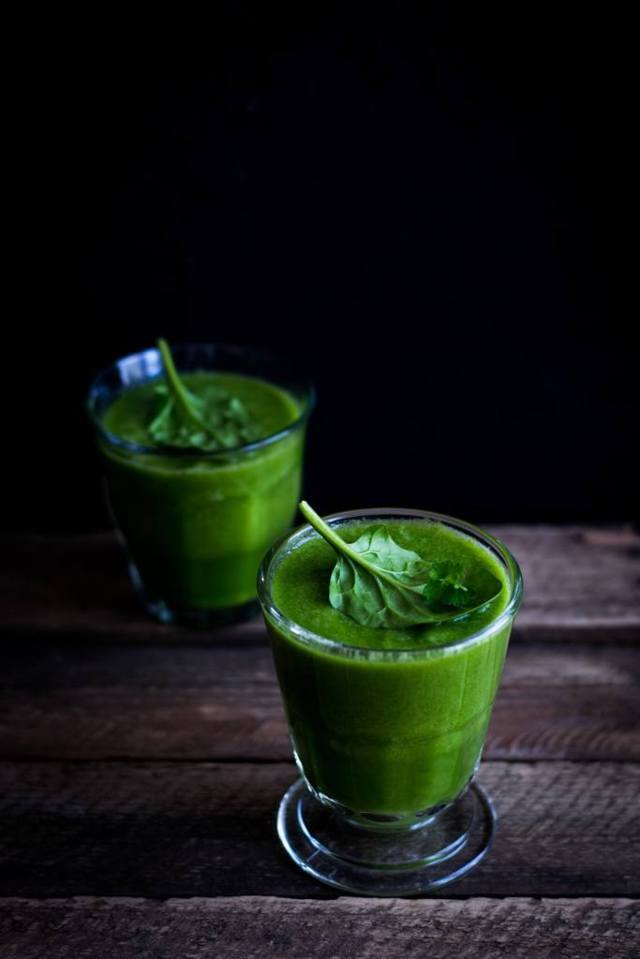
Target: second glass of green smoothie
(202, 449)
(387, 717)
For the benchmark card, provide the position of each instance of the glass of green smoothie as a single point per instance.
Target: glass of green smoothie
(202, 449)
(389, 629)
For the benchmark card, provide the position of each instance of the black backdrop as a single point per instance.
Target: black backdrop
(427, 219)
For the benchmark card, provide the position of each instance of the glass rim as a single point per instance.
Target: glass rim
(112, 439)
(309, 638)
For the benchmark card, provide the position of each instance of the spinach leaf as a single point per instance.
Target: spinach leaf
(379, 583)
(210, 421)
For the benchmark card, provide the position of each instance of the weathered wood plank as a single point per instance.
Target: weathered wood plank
(79, 586)
(64, 701)
(274, 928)
(180, 829)
(581, 584)
(37, 665)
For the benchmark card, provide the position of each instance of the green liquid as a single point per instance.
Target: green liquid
(386, 735)
(197, 526)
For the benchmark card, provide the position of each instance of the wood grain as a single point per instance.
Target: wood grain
(65, 701)
(181, 829)
(145, 788)
(273, 928)
(580, 583)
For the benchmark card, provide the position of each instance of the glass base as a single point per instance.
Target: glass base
(194, 618)
(449, 845)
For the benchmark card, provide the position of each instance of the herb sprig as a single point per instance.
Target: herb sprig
(381, 584)
(214, 421)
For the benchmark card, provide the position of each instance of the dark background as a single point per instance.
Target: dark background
(425, 215)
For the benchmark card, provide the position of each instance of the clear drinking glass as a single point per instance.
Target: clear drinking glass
(196, 524)
(387, 741)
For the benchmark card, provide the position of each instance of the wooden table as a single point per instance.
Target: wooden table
(141, 767)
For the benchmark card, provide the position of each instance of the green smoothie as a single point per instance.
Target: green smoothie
(199, 507)
(387, 721)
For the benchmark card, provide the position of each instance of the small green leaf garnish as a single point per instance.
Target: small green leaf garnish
(379, 583)
(213, 421)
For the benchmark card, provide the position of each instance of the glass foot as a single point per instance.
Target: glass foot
(195, 618)
(408, 863)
